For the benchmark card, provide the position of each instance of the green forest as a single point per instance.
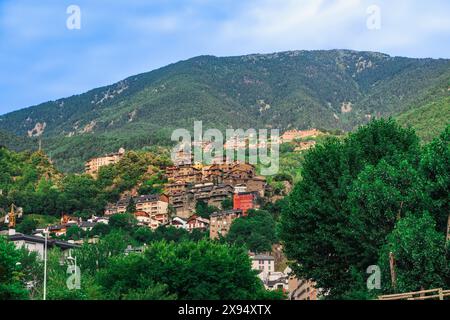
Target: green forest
(336, 89)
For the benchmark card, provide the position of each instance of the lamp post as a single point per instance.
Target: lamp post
(45, 263)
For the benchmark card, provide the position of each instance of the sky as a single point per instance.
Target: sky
(48, 52)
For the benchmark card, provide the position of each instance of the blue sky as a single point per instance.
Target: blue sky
(41, 59)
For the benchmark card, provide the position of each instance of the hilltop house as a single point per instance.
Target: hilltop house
(183, 203)
(196, 222)
(220, 222)
(93, 165)
(142, 217)
(292, 135)
(178, 223)
(118, 208)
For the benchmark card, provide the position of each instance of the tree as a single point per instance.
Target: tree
(227, 204)
(435, 168)
(131, 208)
(125, 222)
(57, 276)
(420, 255)
(100, 229)
(92, 258)
(189, 270)
(144, 235)
(152, 292)
(321, 215)
(256, 231)
(12, 286)
(377, 199)
(204, 210)
(75, 233)
(27, 226)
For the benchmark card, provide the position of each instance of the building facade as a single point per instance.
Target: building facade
(220, 223)
(93, 165)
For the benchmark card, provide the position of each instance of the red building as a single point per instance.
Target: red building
(244, 201)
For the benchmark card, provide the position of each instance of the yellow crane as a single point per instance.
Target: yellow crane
(11, 218)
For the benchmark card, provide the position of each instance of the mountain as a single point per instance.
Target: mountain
(429, 120)
(17, 143)
(337, 89)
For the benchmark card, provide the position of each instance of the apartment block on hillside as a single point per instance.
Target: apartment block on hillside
(93, 165)
(220, 222)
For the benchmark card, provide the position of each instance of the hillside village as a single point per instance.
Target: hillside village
(229, 190)
(137, 201)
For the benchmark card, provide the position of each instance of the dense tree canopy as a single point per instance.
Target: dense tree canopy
(352, 194)
(256, 231)
(187, 270)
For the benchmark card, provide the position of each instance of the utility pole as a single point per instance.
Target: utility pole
(45, 264)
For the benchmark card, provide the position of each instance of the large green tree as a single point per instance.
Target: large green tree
(189, 270)
(351, 194)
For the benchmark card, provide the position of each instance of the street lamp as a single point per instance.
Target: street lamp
(45, 263)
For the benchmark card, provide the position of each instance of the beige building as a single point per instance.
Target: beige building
(142, 217)
(263, 263)
(156, 206)
(93, 165)
(220, 222)
(300, 289)
(292, 135)
(152, 204)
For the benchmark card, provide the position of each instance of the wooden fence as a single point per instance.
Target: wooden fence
(433, 294)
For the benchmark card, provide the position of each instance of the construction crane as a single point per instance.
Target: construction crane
(11, 218)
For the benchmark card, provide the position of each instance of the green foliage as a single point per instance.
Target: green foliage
(152, 292)
(57, 281)
(153, 185)
(351, 195)
(125, 222)
(75, 233)
(227, 204)
(202, 209)
(420, 253)
(92, 258)
(12, 286)
(300, 89)
(429, 119)
(191, 271)
(100, 229)
(256, 231)
(27, 226)
(144, 235)
(435, 168)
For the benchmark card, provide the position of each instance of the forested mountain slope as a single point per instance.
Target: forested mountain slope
(337, 89)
